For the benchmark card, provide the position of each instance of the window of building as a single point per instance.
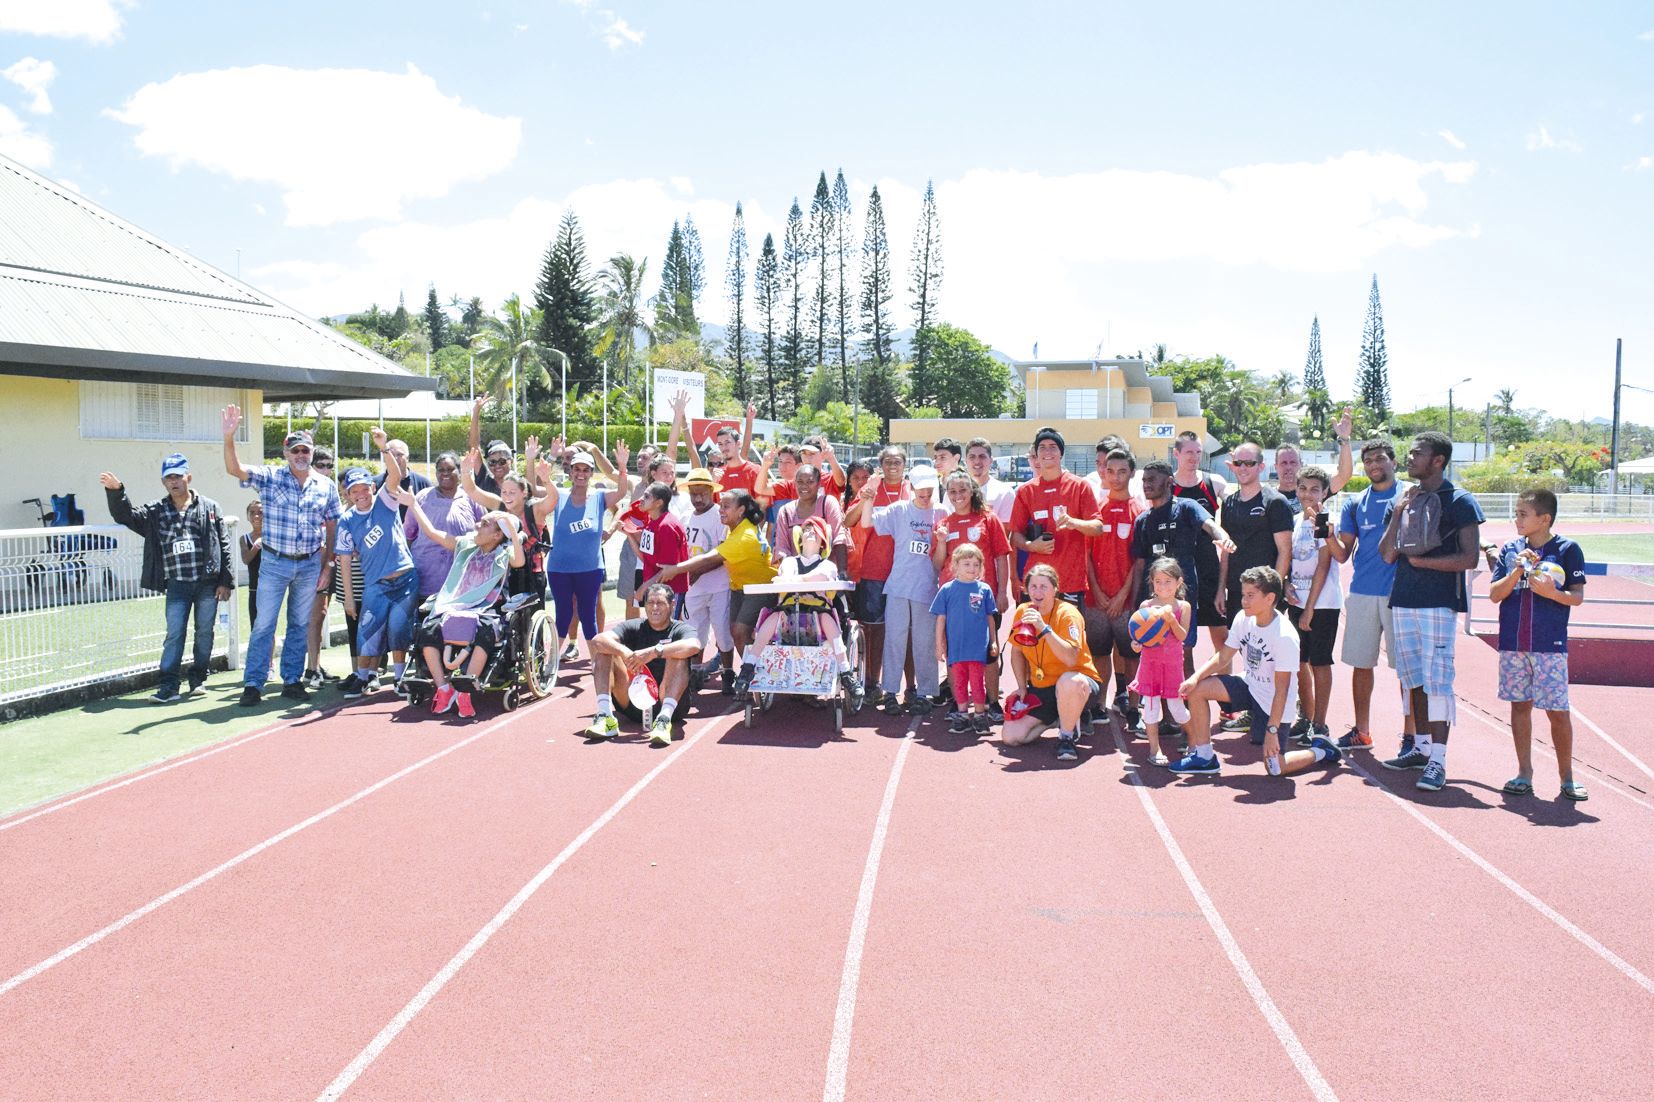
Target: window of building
(1082, 405)
(156, 411)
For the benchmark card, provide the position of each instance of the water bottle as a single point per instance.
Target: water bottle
(224, 618)
(1273, 764)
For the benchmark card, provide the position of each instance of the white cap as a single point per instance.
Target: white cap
(923, 477)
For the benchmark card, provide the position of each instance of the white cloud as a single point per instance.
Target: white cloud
(1451, 139)
(617, 33)
(34, 77)
(1641, 164)
(1647, 36)
(293, 128)
(94, 20)
(17, 141)
(1637, 119)
(1540, 138)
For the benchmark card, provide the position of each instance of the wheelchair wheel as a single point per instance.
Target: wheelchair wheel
(838, 717)
(766, 701)
(542, 658)
(509, 700)
(747, 721)
(856, 653)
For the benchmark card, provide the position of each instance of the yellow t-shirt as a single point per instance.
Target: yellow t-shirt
(1044, 667)
(747, 556)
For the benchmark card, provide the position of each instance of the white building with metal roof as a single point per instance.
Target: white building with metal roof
(117, 348)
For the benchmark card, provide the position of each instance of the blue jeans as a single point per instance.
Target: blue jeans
(182, 597)
(280, 579)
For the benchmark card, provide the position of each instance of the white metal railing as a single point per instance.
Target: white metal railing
(1577, 506)
(73, 611)
(1640, 571)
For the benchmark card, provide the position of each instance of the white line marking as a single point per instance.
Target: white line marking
(1284, 1033)
(375, 1047)
(838, 1056)
(245, 855)
(1601, 782)
(1621, 965)
(144, 774)
(1628, 755)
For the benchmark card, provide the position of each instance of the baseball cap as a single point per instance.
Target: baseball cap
(700, 476)
(356, 476)
(811, 524)
(643, 691)
(1052, 435)
(923, 476)
(298, 437)
(581, 455)
(498, 446)
(176, 463)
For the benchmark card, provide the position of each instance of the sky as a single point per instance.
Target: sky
(1207, 176)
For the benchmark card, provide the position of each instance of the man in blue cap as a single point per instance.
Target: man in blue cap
(372, 529)
(186, 557)
(301, 516)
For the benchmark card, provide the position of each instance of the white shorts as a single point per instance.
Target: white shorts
(708, 614)
(1365, 619)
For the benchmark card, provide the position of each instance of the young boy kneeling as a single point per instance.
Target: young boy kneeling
(1267, 692)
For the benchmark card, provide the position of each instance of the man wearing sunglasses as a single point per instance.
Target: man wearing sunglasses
(301, 515)
(1259, 522)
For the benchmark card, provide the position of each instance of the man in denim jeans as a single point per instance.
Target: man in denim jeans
(301, 514)
(186, 557)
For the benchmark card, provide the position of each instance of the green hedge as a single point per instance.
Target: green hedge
(446, 435)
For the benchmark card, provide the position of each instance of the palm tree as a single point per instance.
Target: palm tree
(1285, 386)
(1318, 404)
(1507, 401)
(506, 345)
(620, 287)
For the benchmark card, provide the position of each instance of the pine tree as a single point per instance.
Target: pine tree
(1315, 372)
(735, 279)
(821, 254)
(925, 288)
(795, 282)
(844, 301)
(876, 291)
(675, 302)
(399, 320)
(1372, 375)
(766, 288)
(694, 266)
(436, 322)
(567, 301)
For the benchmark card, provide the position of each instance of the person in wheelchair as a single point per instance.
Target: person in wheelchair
(464, 613)
(654, 644)
(810, 539)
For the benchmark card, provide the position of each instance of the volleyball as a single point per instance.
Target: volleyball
(1150, 628)
(1554, 572)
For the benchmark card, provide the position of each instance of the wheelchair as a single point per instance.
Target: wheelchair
(798, 661)
(523, 667)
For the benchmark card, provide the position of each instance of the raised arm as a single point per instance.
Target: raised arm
(121, 507)
(405, 496)
(680, 421)
(468, 467)
(475, 439)
(232, 464)
(746, 429)
(623, 474)
(761, 484)
(393, 469)
(1346, 459)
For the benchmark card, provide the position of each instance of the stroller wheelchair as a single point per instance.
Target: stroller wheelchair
(522, 667)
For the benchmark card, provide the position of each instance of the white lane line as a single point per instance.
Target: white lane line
(1284, 1033)
(1620, 964)
(1596, 782)
(145, 774)
(375, 1047)
(844, 1018)
(1626, 754)
(245, 855)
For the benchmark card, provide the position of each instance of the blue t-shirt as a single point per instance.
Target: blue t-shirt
(577, 534)
(969, 607)
(376, 536)
(1174, 530)
(1415, 588)
(1363, 518)
(1530, 623)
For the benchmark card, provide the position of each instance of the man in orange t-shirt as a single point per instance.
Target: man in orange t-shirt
(1040, 514)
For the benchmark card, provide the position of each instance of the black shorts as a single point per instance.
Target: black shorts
(1045, 708)
(1315, 645)
(1206, 597)
(1242, 700)
(867, 603)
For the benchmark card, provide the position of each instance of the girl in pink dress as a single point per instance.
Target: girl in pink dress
(1160, 669)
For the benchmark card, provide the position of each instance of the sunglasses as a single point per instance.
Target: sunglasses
(1244, 462)
(324, 465)
(500, 462)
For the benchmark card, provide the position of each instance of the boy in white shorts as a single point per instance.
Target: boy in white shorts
(706, 605)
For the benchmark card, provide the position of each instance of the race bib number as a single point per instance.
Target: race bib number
(646, 542)
(374, 535)
(578, 526)
(918, 547)
(183, 547)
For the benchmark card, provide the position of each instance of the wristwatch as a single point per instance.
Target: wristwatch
(1272, 729)
(660, 648)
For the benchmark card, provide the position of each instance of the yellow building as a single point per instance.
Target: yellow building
(1084, 400)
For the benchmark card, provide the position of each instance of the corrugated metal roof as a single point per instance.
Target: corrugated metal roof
(85, 294)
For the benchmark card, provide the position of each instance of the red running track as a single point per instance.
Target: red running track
(1029, 933)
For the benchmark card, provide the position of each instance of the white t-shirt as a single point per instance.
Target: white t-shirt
(1134, 489)
(1306, 553)
(999, 496)
(1266, 651)
(706, 531)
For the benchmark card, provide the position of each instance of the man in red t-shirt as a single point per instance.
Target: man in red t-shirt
(1042, 512)
(739, 473)
(661, 538)
(878, 555)
(1111, 589)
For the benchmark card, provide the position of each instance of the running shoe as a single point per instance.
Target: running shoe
(603, 727)
(919, 706)
(1122, 702)
(166, 696)
(661, 733)
(1333, 756)
(443, 700)
(1409, 758)
(313, 679)
(1406, 744)
(959, 723)
(743, 681)
(571, 652)
(1193, 765)
(853, 689)
(1355, 740)
(250, 696)
(1237, 721)
(295, 691)
(350, 687)
(890, 704)
(1433, 777)
(1301, 733)
(982, 723)
(1068, 748)
(466, 709)
(996, 712)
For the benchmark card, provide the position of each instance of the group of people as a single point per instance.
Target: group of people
(1063, 581)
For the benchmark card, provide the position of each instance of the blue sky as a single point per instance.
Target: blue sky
(1198, 174)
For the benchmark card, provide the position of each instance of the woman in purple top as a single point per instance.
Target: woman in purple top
(449, 511)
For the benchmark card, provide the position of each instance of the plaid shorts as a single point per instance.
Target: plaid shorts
(1538, 677)
(1425, 643)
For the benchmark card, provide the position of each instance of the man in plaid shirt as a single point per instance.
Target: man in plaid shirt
(301, 514)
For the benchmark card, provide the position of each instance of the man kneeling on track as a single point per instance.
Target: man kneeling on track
(464, 613)
(654, 643)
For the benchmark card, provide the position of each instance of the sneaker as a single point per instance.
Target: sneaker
(250, 696)
(571, 652)
(1319, 731)
(743, 682)
(1406, 743)
(1237, 721)
(1355, 740)
(1193, 765)
(1300, 732)
(466, 709)
(661, 733)
(982, 723)
(890, 704)
(313, 679)
(166, 696)
(400, 689)
(195, 687)
(996, 713)
(1067, 748)
(919, 706)
(1409, 758)
(443, 700)
(1434, 776)
(1333, 756)
(959, 723)
(353, 687)
(853, 688)
(727, 684)
(1122, 702)
(603, 727)
(295, 691)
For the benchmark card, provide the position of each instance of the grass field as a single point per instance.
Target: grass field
(1616, 548)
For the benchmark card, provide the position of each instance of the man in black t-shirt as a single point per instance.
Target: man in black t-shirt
(1259, 521)
(654, 643)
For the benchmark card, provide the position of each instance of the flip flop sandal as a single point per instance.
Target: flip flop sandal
(1574, 791)
(1518, 786)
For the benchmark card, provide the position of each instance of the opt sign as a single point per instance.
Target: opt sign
(1150, 431)
(668, 383)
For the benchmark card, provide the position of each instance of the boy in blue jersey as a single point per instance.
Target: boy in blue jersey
(372, 528)
(1533, 634)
